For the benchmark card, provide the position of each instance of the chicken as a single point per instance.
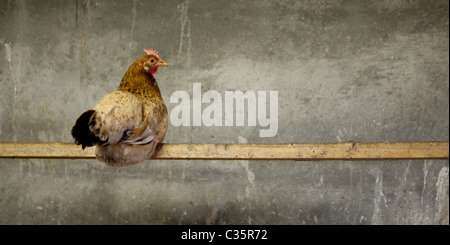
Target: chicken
(127, 125)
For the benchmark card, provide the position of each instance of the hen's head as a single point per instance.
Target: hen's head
(153, 61)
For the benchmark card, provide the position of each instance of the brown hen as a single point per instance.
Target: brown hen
(127, 125)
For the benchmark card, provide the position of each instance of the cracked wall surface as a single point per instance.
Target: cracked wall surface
(365, 71)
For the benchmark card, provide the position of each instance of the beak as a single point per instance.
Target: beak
(163, 63)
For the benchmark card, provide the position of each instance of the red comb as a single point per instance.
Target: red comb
(152, 52)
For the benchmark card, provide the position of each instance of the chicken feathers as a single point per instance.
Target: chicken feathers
(127, 125)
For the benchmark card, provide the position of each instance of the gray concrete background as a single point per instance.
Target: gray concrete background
(345, 70)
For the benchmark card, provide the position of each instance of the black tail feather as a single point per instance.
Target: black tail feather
(81, 133)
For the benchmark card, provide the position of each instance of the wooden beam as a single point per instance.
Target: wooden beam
(288, 151)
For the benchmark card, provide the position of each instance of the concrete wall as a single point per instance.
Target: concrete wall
(344, 70)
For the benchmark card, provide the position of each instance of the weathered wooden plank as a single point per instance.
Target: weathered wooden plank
(288, 151)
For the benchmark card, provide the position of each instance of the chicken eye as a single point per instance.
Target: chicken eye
(152, 61)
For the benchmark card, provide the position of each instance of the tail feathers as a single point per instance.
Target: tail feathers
(82, 134)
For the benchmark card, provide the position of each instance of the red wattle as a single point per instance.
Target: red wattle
(154, 70)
